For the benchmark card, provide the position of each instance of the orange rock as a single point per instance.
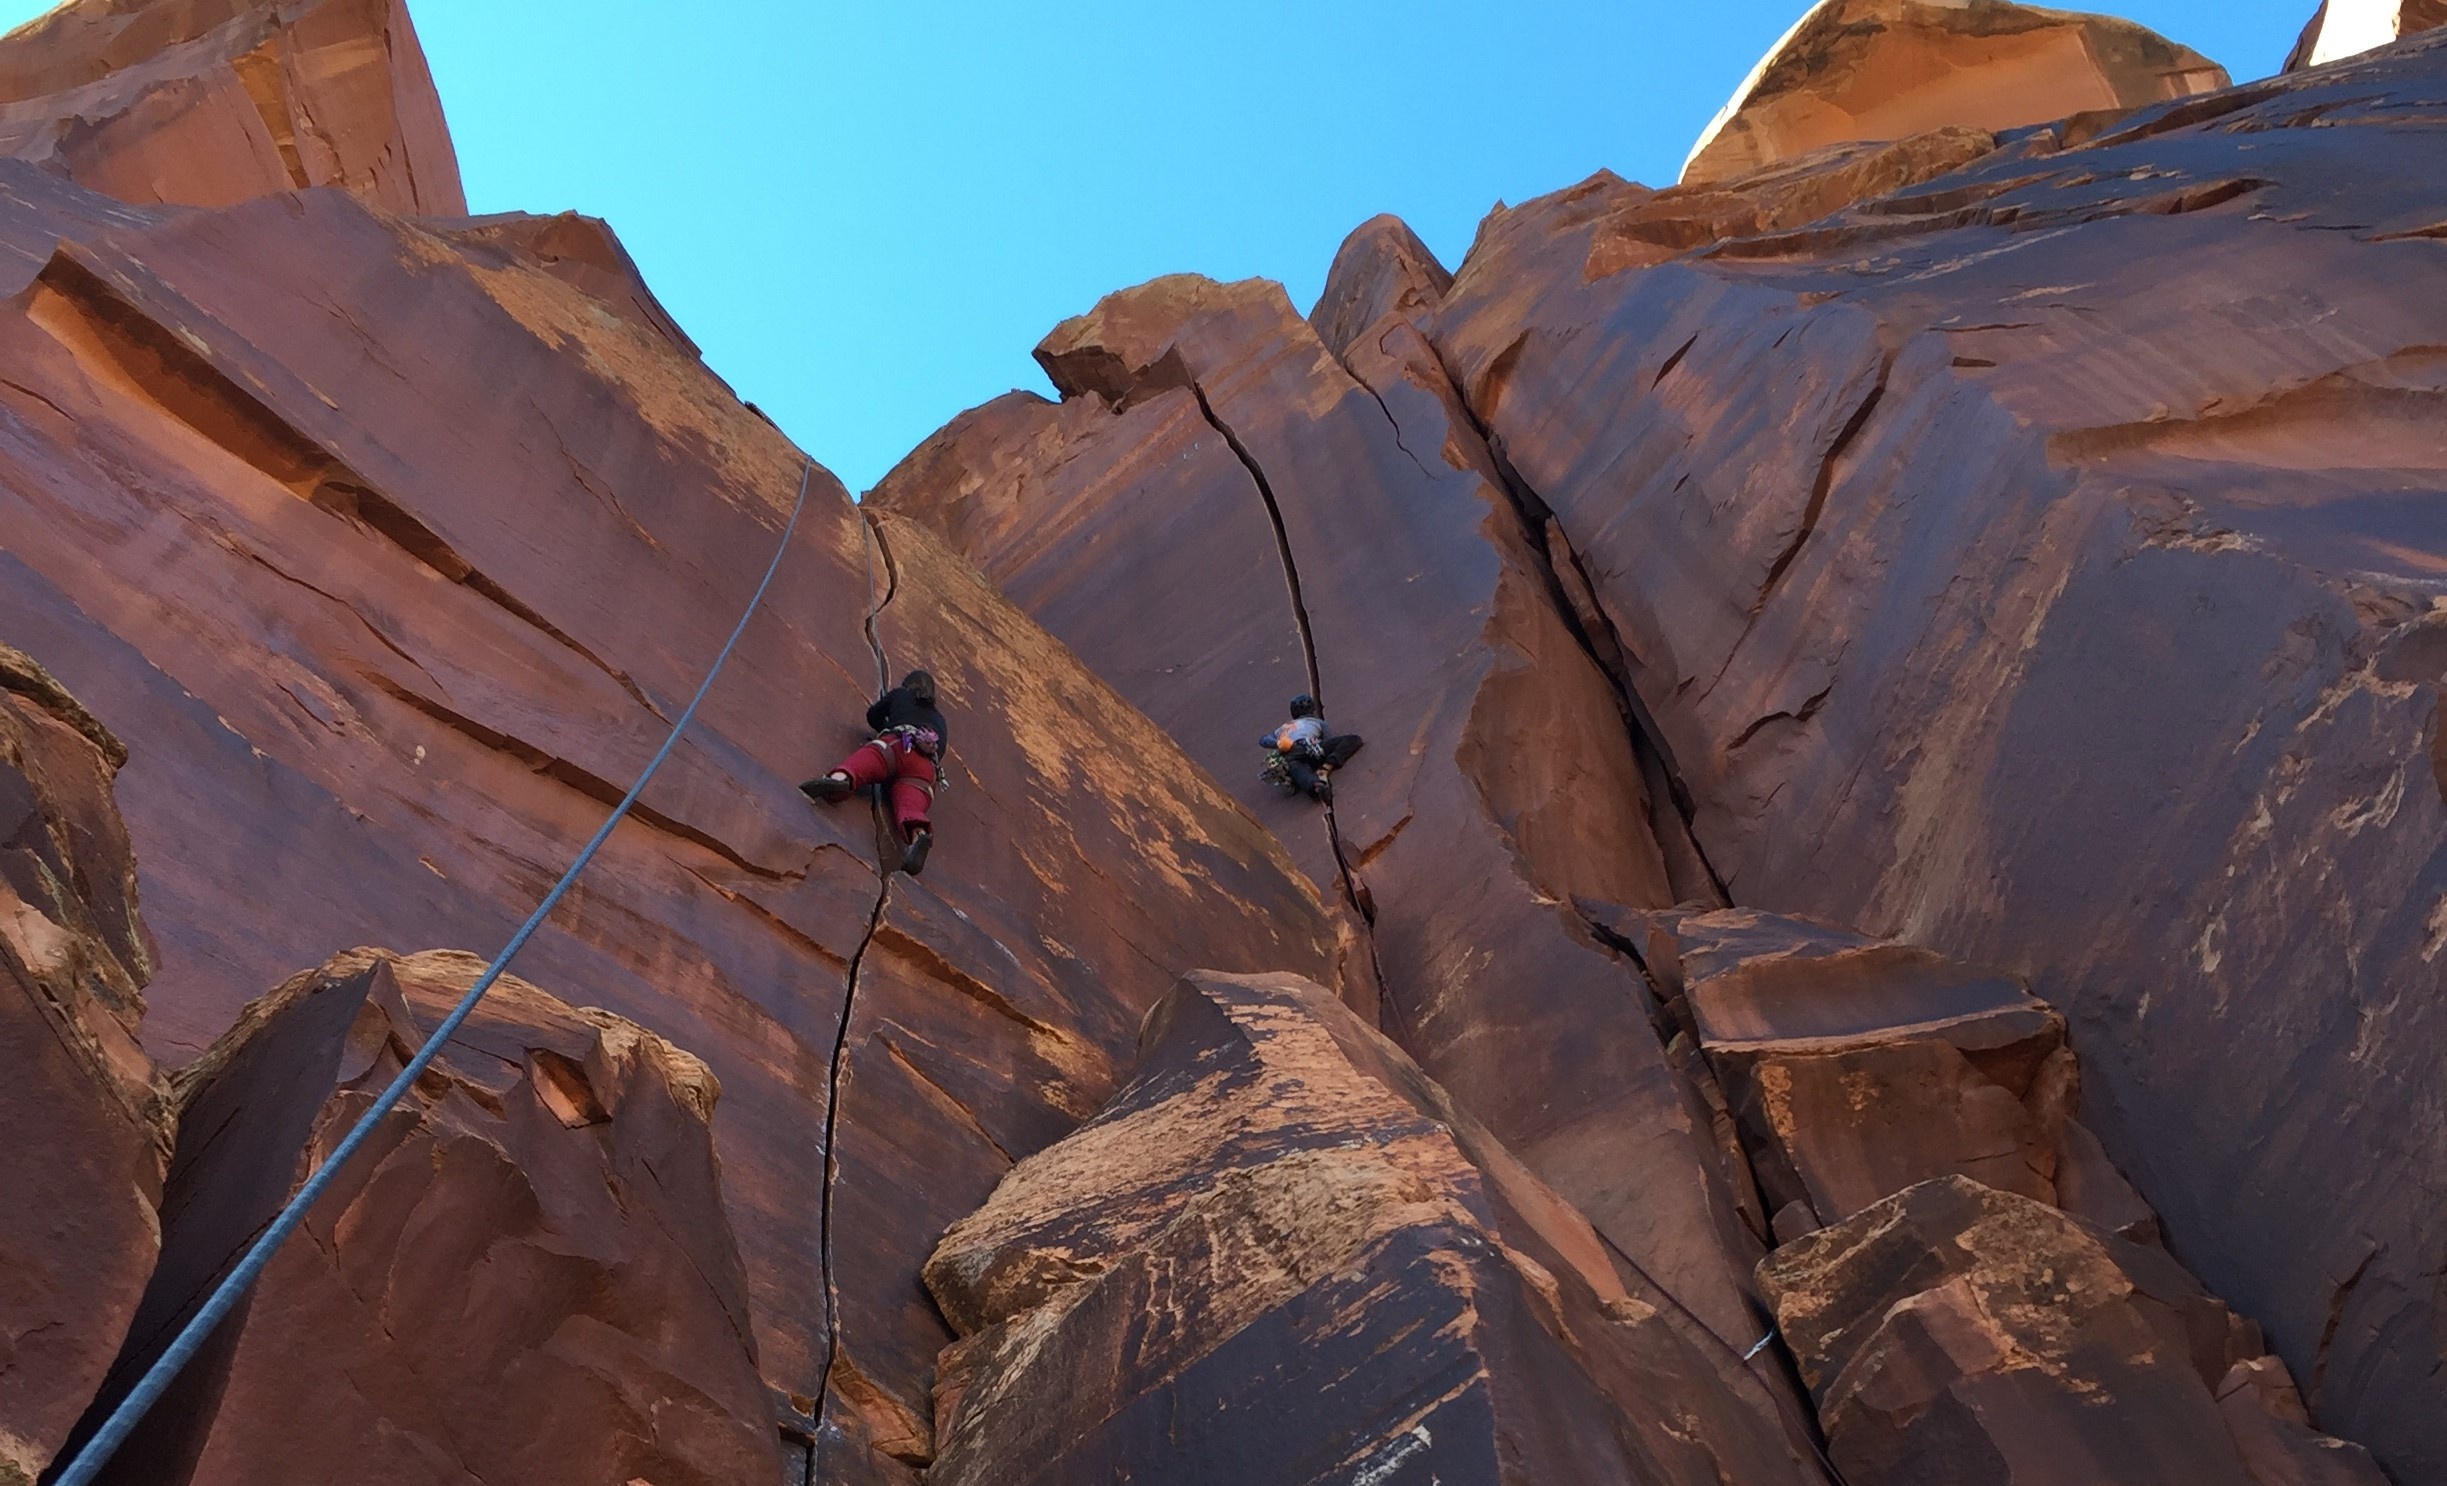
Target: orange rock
(1382, 269)
(1210, 453)
(2024, 565)
(527, 1275)
(211, 102)
(1961, 1335)
(1853, 70)
(1282, 1254)
(2347, 28)
(87, 1116)
(413, 635)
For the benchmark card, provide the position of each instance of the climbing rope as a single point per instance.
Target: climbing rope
(88, 1462)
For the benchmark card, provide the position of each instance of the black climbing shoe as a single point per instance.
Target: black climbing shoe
(1324, 791)
(913, 859)
(828, 788)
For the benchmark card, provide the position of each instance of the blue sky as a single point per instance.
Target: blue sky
(868, 213)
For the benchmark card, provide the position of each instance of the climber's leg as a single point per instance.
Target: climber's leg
(913, 797)
(871, 764)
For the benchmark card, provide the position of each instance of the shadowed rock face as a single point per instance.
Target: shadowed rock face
(1281, 1254)
(1955, 1333)
(87, 1118)
(213, 102)
(2040, 566)
(526, 1276)
(1885, 69)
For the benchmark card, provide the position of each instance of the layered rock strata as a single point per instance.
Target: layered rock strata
(1281, 1254)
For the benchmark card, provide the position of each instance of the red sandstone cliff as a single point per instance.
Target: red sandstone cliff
(1900, 846)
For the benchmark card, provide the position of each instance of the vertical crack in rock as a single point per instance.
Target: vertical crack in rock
(2315, 1395)
(1844, 440)
(1354, 888)
(879, 555)
(1590, 628)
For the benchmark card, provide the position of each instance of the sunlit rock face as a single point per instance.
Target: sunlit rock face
(1853, 70)
(2348, 28)
(1283, 1255)
(1928, 520)
(390, 547)
(210, 102)
(1904, 795)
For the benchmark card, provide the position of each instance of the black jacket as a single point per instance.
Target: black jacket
(897, 708)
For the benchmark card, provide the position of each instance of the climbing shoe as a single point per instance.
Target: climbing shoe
(828, 787)
(913, 858)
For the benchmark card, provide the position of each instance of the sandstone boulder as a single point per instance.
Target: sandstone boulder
(1281, 1254)
(2347, 28)
(1961, 1335)
(527, 1275)
(86, 1116)
(212, 102)
(1885, 69)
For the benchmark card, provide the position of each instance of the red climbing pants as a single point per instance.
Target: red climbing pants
(892, 759)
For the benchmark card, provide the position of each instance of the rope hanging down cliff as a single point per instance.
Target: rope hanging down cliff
(123, 1419)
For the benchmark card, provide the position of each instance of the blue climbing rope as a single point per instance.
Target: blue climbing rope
(122, 1422)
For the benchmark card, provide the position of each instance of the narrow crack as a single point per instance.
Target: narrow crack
(879, 556)
(2314, 1396)
(1825, 483)
(1381, 406)
(1673, 813)
(1355, 889)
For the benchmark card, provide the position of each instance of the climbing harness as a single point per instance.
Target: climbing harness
(96, 1452)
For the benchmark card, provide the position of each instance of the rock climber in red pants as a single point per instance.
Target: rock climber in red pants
(909, 744)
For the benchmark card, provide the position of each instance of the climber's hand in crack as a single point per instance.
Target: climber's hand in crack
(906, 754)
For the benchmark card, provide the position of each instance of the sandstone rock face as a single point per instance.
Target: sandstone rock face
(213, 102)
(2347, 28)
(1955, 1333)
(1211, 453)
(385, 644)
(528, 1275)
(1281, 1254)
(1383, 269)
(2032, 566)
(86, 1115)
(1857, 1068)
(1884, 69)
